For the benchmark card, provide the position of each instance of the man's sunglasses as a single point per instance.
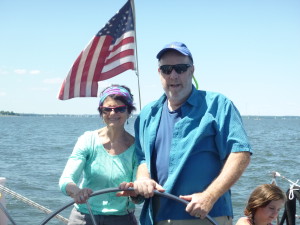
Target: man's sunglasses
(179, 68)
(117, 109)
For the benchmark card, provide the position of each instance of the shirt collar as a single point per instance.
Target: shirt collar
(193, 100)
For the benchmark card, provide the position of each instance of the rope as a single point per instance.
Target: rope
(292, 189)
(196, 82)
(292, 184)
(32, 203)
(276, 174)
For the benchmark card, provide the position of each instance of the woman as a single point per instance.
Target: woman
(104, 158)
(263, 205)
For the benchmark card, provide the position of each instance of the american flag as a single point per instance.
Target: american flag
(109, 53)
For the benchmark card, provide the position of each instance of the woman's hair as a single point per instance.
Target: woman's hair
(261, 197)
(126, 97)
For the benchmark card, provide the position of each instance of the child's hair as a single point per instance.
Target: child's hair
(261, 197)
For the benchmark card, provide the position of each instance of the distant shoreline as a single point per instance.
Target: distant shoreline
(97, 115)
(48, 115)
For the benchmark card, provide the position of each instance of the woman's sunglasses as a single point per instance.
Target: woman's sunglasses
(179, 68)
(117, 109)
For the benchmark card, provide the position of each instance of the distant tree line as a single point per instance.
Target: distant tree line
(8, 113)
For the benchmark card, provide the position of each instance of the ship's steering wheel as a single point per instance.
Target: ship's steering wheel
(103, 191)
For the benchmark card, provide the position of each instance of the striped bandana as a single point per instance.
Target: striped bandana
(116, 90)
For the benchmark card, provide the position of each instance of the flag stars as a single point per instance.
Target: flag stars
(119, 24)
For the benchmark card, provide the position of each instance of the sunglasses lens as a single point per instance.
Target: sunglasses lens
(120, 109)
(166, 69)
(105, 109)
(117, 109)
(179, 68)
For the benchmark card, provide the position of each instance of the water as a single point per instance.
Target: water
(34, 150)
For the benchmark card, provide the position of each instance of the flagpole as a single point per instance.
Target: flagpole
(137, 66)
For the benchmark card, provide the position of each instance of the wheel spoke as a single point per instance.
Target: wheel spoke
(91, 213)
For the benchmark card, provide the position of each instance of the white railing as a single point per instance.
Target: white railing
(3, 218)
(4, 190)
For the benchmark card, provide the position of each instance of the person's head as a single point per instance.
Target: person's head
(265, 203)
(175, 67)
(116, 104)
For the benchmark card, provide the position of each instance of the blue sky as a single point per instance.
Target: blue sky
(247, 50)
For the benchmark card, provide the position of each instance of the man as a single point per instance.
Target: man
(191, 144)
